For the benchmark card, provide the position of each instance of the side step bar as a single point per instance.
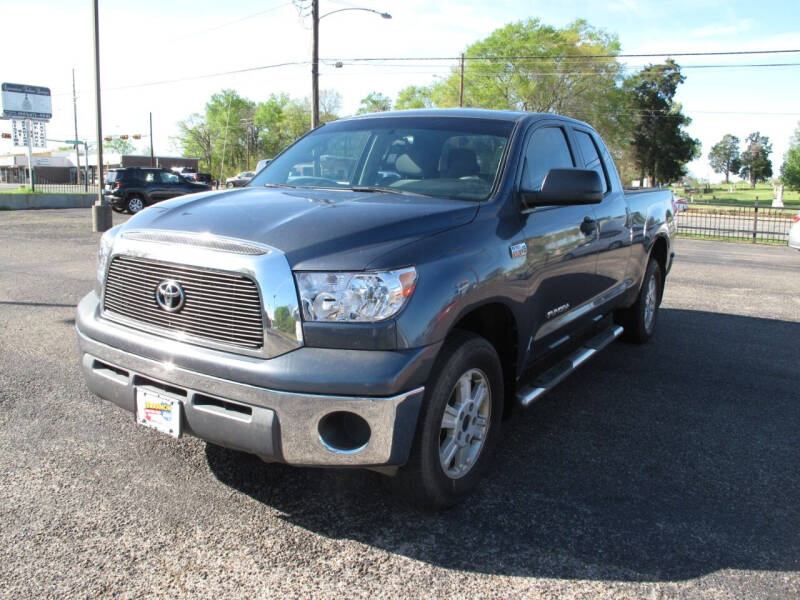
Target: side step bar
(552, 377)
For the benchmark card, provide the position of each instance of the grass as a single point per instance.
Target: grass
(27, 190)
(745, 195)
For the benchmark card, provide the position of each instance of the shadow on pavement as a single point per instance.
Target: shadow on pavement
(654, 463)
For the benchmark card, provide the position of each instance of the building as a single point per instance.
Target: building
(59, 166)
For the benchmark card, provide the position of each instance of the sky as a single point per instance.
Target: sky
(147, 42)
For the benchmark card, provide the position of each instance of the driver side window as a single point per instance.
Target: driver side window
(547, 149)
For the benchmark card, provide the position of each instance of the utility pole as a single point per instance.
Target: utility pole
(152, 158)
(29, 135)
(225, 141)
(315, 64)
(77, 146)
(461, 83)
(248, 127)
(101, 214)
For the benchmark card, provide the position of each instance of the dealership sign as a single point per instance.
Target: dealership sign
(26, 102)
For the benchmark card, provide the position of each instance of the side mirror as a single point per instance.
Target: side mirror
(565, 187)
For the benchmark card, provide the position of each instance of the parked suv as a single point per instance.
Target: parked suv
(134, 188)
(240, 179)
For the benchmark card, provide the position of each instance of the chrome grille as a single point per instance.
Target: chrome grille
(220, 307)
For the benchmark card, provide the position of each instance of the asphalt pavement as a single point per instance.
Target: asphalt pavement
(668, 470)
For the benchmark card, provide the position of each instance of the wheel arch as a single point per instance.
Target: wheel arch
(495, 322)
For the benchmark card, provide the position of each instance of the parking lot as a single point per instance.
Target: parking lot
(668, 470)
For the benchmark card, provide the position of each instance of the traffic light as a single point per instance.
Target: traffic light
(6, 136)
(123, 137)
(137, 136)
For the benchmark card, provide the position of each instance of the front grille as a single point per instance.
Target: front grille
(219, 307)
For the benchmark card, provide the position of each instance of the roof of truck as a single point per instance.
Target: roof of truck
(476, 113)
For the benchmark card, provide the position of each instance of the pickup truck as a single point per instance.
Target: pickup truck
(383, 295)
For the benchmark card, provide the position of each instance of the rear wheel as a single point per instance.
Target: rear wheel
(458, 427)
(135, 204)
(640, 319)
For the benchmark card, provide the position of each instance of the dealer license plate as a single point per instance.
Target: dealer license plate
(161, 412)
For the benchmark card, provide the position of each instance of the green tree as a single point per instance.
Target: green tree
(724, 156)
(790, 169)
(571, 71)
(283, 320)
(756, 165)
(414, 96)
(374, 102)
(119, 146)
(661, 147)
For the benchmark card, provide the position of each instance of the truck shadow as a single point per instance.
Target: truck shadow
(655, 463)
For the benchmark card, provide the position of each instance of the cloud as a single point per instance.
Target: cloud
(719, 30)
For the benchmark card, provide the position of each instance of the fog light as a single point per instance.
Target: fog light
(344, 432)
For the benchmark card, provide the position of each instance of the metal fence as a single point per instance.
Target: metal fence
(747, 223)
(42, 185)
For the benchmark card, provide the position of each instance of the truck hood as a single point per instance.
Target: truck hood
(315, 229)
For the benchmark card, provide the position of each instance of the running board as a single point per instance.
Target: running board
(552, 377)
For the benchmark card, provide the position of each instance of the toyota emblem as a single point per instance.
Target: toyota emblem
(170, 295)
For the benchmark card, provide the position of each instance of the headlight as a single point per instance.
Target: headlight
(364, 297)
(103, 253)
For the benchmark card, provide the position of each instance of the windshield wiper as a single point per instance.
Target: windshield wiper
(280, 185)
(379, 190)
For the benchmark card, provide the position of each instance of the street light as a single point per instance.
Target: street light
(315, 16)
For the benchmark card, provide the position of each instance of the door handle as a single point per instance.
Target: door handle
(588, 226)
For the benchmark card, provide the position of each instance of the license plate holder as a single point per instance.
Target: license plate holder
(158, 411)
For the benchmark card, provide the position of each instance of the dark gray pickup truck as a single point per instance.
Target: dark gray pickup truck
(382, 295)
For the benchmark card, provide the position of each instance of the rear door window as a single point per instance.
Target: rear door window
(547, 149)
(591, 157)
(169, 178)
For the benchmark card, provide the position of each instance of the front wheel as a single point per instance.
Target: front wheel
(639, 320)
(458, 427)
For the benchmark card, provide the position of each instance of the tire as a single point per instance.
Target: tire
(640, 319)
(229, 185)
(447, 463)
(135, 204)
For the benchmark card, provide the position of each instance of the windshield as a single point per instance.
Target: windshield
(448, 157)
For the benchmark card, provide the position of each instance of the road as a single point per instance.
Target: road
(668, 470)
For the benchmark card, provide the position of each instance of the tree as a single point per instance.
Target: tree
(119, 146)
(756, 165)
(790, 170)
(330, 103)
(724, 156)
(571, 71)
(661, 147)
(374, 102)
(413, 96)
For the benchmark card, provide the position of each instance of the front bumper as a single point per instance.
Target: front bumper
(235, 406)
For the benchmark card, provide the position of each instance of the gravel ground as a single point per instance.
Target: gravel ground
(669, 470)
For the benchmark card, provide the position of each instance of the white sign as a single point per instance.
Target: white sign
(26, 102)
(38, 133)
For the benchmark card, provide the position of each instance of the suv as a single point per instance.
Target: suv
(134, 188)
(239, 180)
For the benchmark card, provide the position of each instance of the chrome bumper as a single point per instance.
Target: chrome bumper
(275, 425)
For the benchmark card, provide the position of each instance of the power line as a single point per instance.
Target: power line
(568, 56)
(355, 61)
